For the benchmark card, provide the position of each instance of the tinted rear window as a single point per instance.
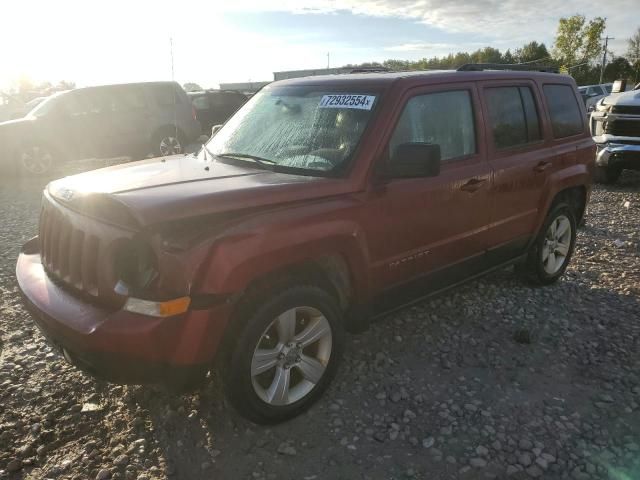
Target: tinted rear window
(566, 118)
(201, 102)
(166, 94)
(127, 98)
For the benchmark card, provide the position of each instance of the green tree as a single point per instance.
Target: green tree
(487, 55)
(508, 57)
(578, 40)
(531, 52)
(633, 54)
(191, 87)
(618, 68)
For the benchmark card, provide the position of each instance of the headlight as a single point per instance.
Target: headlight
(135, 266)
(597, 126)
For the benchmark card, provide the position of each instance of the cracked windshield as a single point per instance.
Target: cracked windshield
(296, 127)
(319, 240)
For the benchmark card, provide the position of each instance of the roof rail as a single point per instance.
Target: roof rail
(370, 70)
(478, 67)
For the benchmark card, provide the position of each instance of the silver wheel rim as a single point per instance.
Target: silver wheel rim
(170, 146)
(36, 159)
(555, 247)
(291, 356)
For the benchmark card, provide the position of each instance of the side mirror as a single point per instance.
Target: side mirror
(414, 159)
(215, 129)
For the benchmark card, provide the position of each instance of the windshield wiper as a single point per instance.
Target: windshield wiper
(265, 162)
(207, 152)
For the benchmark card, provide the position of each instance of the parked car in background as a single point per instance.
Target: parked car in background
(322, 202)
(591, 94)
(615, 126)
(10, 108)
(99, 122)
(18, 109)
(214, 107)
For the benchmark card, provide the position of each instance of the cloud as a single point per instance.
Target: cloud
(510, 22)
(418, 47)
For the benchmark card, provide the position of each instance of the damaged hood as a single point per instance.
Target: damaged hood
(178, 187)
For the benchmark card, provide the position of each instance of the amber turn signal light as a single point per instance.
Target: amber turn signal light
(158, 309)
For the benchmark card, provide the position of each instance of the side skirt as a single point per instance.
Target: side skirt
(433, 284)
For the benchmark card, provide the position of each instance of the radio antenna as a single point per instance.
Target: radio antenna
(175, 103)
(171, 53)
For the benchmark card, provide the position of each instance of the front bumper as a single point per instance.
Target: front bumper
(620, 155)
(119, 346)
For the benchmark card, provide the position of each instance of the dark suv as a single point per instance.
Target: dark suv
(322, 202)
(132, 119)
(214, 107)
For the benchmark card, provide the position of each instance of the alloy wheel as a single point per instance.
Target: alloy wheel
(170, 145)
(557, 242)
(36, 159)
(291, 356)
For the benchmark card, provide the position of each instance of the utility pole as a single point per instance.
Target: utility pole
(328, 59)
(604, 56)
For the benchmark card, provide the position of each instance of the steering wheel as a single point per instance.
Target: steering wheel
(332, 155)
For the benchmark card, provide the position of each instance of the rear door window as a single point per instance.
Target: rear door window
(566, 118)
(443, 118)
(594, 91)
(513, 116)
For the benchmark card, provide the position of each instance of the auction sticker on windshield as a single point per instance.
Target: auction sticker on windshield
(343, 100)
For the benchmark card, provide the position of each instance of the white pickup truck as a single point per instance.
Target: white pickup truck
(615, 126)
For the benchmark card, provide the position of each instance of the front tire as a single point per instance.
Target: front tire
(551, 251)
(285, 355)
(34, 159)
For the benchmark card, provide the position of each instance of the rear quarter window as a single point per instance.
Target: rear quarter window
(166, 95)
(129, 98)
(566, 117)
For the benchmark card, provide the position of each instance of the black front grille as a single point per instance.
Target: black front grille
(623, 128)
(626, 109)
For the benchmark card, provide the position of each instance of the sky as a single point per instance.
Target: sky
(94, 42)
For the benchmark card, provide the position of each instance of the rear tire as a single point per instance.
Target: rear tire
(286, 353)
(607, 175)
(168, 141)
(551, 251)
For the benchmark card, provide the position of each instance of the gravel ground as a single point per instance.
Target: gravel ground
(438, 390)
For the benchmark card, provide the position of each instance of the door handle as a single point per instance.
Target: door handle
(542, 166)
(473, 184)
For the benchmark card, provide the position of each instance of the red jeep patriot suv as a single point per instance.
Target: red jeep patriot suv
(320, 203)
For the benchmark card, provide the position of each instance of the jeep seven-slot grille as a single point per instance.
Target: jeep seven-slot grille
(623, 128)
(69, 254)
